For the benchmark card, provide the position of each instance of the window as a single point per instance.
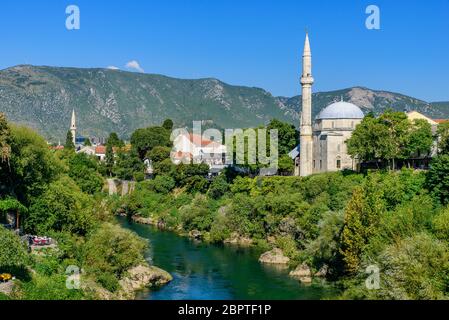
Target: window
(338, 164)
(338, 148)
(321, 164)
(314, 164)
(333, 124)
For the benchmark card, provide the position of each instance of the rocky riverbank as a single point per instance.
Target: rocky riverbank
(135, 280)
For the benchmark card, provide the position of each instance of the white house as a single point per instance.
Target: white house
(192, 148)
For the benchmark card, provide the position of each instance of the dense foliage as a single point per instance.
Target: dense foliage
(58, 194)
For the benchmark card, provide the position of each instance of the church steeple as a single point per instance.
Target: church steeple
(306, 140)
(73, 126)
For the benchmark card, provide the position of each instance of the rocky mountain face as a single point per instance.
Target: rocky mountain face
(111, 100)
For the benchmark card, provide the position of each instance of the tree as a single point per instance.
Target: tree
(389, 137)
(443, 135)
(114, 140)
(110, 161)
(5, 137)
(12, 251)
(30, 168)
(69, 145)
(437, 178)
(419, 140)
(63, 207)
(127, 164)
(287, 135)
(83, 169)
(219, 187)
(286, 165)
(144, 140)
(113, 250)
(159, 153)
(168, 125)
(362, 217)
(87, 142)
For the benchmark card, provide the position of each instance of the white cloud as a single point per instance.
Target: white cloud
(112, 68)
(134, 65)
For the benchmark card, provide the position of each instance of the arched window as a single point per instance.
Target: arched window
(338, 164)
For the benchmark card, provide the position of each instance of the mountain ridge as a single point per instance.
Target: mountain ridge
(106, 100)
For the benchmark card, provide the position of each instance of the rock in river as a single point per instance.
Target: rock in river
(302, 273)
(275, 256)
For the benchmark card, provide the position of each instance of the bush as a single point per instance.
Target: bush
(113, 250)
(12, 251)
(440, 225)
(63, 207)
(108, 281)
(437, 179)
(198, 215)
(218, 187)
(139, 176)
(163, 184)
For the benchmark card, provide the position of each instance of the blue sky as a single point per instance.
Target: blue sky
(242, 42)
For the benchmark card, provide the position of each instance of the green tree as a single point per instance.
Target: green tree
(159, 153)
(83, 169)
(87, 142)
(287, 135)
(30, 168)
(114, 141)
(69, 145)
(12, 251)
(387, 138)
(5, 137)
(144, 140)
(443, 135)
(113, 250)
(110, 160)
(286, 165)
(218, 188)
(420, 139)
(362, 217)
(127, 164)
(63, 207)
(437, 179)
(168, 125)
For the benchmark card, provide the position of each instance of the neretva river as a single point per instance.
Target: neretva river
(204, 271)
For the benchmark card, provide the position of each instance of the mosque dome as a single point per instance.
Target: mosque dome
(341, 110)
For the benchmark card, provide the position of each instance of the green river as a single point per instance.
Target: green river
(204, 271)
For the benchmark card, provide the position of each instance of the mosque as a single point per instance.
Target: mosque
(322, 145)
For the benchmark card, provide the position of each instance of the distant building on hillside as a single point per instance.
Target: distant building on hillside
(192, 148)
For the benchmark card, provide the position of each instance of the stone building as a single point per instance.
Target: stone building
(322, 143)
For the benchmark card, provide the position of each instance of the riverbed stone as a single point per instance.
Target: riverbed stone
(141, 277)
(275, 256)
(239, 240)
(302, 273)
(142, 220)
(195, 234)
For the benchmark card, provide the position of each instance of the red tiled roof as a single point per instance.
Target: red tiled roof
(100, 150)
(181, 155)
(57, 147)
(441, 120)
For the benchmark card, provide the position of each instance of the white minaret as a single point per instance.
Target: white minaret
(306, 140)
(73, 127)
